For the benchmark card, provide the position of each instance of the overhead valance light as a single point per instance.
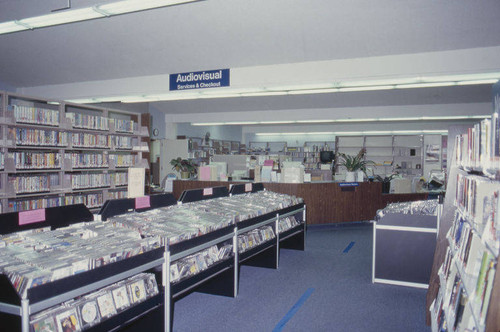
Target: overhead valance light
(353, 120)
(85, 14)
(327, 87)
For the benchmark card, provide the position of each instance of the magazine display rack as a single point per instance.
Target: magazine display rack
(465, 292)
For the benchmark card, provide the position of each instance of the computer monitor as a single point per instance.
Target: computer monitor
(326, 156)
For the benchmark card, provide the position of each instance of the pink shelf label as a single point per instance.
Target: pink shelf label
(208, 191)
(142, 202)
(31, 217)
(268, 162)
(248, 187)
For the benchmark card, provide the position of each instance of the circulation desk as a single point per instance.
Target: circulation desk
(327, 202)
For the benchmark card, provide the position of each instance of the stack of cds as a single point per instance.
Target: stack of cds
(30, 258)
(182, 222)
(254, 238)
(91, 309)
(202, 260)
(173, 224)
(287, 223)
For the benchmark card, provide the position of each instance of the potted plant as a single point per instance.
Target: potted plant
(354, 164)
(386, 182)
(184, 166)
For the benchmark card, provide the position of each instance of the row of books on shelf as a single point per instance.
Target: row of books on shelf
(91, 200)
(97, 122)
(94, 122)
(33, 183)
(36, 115)
(54, 138)
(93, 308)
(30, 183)
(477, 199)
(33, 160)
(45, 116)
(479, 148)
(90, 180)
(199, 261)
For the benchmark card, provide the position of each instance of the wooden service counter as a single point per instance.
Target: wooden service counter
(326, 202)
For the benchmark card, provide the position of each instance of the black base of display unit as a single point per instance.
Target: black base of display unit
(264, 255)
(293, 238)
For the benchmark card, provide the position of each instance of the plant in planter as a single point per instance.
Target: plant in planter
(184, 166)
(386, 182)
(354, 164)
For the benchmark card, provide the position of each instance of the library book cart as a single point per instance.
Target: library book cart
(220, 277)
(464, 292)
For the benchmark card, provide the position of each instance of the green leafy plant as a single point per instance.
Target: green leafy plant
(385, 179)
(354, 163)
(183, 165)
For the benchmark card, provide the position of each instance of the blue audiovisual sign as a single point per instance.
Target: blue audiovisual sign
(199, 80)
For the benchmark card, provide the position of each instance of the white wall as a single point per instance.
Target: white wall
(228, 133)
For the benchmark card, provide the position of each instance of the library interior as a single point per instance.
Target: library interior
(267, 165)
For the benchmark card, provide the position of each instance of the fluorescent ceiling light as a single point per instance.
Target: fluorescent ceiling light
(276, 122)
(312, 91)
(357, 120)
(368, 88)
(476, 82)
(264, 93)
(63, 17)
(424, 85)
(87, 13)
(347, 86)
(396, 119)
(208, 124)
(129, 6)
(315, 121)
(12, 26)
(241, 123)
(361, 133)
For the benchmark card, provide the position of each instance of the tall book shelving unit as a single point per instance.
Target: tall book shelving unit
(464, 293)
(58, 153)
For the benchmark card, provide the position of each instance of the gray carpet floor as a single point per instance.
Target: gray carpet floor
(324, 288)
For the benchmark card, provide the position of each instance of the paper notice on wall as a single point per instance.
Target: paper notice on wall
(136, 181)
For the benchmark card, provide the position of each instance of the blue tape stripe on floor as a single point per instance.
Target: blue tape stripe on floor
(279, 327)
(349, 246)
